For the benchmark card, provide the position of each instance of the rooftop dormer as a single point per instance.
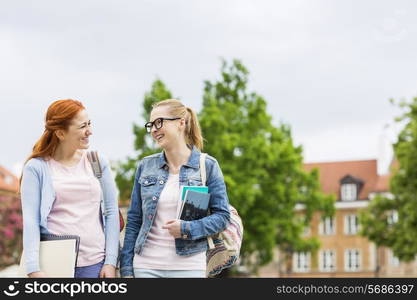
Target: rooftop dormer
(350, 188)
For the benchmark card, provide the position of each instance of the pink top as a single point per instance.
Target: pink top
(76, 209)
(159, 249)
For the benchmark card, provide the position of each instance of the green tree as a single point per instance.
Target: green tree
(399, 235)
(125, 171)
(262, 168)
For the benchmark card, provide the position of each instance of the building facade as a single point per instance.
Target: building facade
(9, 183)
(343, 252)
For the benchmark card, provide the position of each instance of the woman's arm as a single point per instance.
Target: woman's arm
(133, 225)
(112, 227)
(219, 216)
(31, 203)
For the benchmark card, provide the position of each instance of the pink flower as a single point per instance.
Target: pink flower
(15, 218)
(10, 230)
(8, 233)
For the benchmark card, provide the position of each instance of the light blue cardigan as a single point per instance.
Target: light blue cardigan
(38, 196)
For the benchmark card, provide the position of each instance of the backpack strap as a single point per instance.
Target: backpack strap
(95, 163)
(203, 175)
(98, 172)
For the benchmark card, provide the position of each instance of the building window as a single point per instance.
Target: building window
(307, 231)
(349, 192)
(301, 219)
(392, 217)
(301, 261)
(352, 260)
(327, 260)
(351, 224)
(327, 226)
(393, 260)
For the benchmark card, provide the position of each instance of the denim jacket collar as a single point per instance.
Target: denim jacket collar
(193, 161)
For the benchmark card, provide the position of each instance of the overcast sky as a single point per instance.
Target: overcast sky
(327, 68)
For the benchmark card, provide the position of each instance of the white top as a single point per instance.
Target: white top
(159, 249)
(76, 209)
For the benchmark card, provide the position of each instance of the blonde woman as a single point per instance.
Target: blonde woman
(157, 244)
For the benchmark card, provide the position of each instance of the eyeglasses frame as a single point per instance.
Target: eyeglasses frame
(162, 123)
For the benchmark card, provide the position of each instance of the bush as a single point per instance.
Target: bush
(10, 230)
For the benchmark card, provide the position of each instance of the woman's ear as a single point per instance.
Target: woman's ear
(182, 123)
(60, 135)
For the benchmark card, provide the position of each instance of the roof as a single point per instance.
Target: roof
(8, 181)
(332, 172)
(382, 184)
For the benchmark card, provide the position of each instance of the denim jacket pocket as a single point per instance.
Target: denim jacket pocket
(147, 181)
(147, 187)
(194, 182)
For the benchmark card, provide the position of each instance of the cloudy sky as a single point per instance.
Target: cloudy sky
(327, 68)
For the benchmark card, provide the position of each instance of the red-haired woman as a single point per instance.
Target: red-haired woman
(60, 194)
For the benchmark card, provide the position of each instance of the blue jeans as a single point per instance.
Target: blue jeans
(92, 271)
(148, 273)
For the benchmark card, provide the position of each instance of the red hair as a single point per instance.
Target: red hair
(58, 117)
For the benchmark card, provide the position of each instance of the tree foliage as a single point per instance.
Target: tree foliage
(143, 145)
(399, 235)
(262, 168)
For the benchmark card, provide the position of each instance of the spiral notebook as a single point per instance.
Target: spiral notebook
(57, 255)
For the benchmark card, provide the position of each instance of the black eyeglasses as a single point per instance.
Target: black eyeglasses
(158, 123)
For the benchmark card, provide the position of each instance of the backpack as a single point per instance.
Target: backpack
(95, 164)
(224, 247)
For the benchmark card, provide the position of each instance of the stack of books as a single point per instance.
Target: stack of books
(194, 203)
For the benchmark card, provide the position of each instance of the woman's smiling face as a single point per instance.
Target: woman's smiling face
(78, 133)
(170, 130)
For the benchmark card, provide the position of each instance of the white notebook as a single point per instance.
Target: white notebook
(57, 256)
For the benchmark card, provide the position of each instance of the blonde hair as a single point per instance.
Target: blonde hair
(193, 134)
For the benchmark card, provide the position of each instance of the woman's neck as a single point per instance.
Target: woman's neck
(177, 156)
(66, 155)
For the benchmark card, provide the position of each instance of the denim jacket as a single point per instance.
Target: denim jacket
(38, 196)
(150, 178)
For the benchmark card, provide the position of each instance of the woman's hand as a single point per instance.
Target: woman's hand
(39, 274)
(174, 228)
(108, 271)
